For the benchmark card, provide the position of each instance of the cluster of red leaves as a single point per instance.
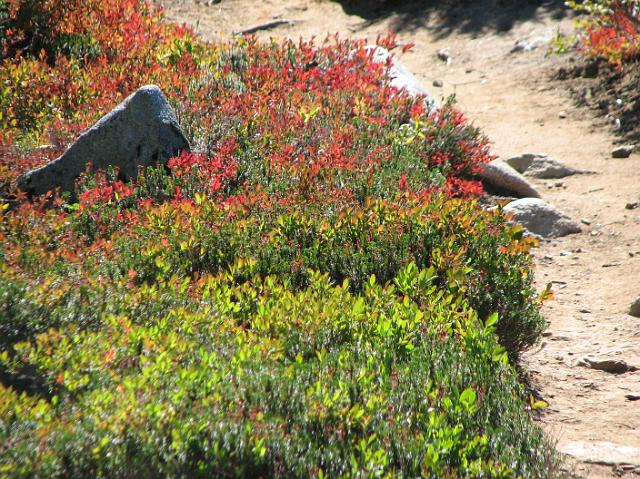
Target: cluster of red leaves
(75, 59)
(316, 113)
(105, 193)
(616, 34)
(311, 117)
(211, 172)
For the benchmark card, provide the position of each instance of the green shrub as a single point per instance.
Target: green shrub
(260, 381)
(469, 250)
(303, 295)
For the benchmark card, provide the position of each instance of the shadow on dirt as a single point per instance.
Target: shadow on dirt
(446, 16)
(613, 94)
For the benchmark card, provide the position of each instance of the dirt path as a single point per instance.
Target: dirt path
(509, 95)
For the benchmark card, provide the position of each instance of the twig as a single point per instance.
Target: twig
(264, 26)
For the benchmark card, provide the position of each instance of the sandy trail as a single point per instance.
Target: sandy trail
(511, 97)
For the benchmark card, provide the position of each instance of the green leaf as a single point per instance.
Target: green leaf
(468, 398)
(539, 404)
(491, 320)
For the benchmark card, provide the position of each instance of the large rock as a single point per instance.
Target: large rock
(400, 76)
(608, 365)
(542, 219)
(500, 178)
(600, 452)
(140, 132)
(541, 166)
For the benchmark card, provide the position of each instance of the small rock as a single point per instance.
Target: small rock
(632, 206)
(585, 310)
(613, 366)
(558, 184)
(633, 396)
(622, 151)
(529, 44)
(141, 131)
(585, 221)
(634, 309)
(539, 165)
(541, 218)
(562, 114)
(444, 56)
(501, 178)
(438, 83)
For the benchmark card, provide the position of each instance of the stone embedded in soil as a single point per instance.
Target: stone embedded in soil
(634, 309)
(142, 131)
(613, 366)
(539, 165)
(633, 396)
(529, 44)
(503, 179)
(438, 83)
(601, 452)
(623, 151)
(541, 218)
(444, 56)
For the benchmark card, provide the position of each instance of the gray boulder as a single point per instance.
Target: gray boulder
(140, 132)
(613, 366)
(520, 163)
(541, 166)
(499, 177)
(604, 453)
(400, 76)
(542, 219)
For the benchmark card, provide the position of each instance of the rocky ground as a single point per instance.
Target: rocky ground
(493, 59)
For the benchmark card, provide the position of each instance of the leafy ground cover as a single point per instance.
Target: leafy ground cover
(312, 292)
(611, 30)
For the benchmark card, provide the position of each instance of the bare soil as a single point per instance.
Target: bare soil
(517, 100)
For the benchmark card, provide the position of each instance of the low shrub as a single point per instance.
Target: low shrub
(466, 248)
(612, 29)
(312, 291)
(261, 381)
